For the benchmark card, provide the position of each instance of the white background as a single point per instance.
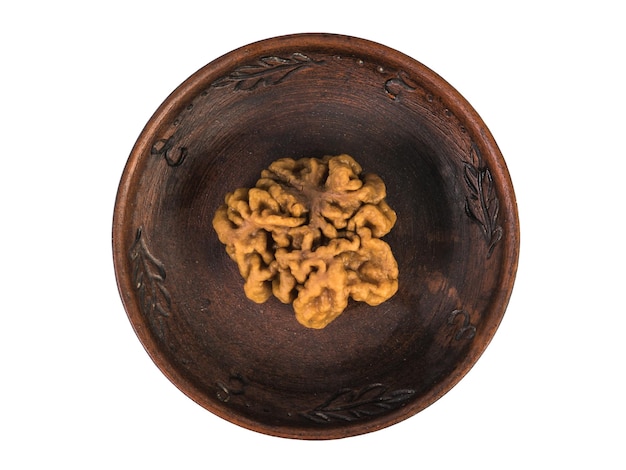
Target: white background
(80, 79)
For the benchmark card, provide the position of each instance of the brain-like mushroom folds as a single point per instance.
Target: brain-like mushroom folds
(309, 233)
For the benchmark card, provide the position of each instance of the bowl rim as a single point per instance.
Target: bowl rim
(215, 69)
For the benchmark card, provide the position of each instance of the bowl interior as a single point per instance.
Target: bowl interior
(455, 239)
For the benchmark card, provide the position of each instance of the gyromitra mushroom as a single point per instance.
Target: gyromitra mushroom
(309, 233)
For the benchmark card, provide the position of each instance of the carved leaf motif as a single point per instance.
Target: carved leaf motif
(395, 85)
(466, 329)
(173, 156)
(482, 204)
(350, 405)
(266, 71)
(148, 278)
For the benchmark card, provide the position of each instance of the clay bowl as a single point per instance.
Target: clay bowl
(456, 239)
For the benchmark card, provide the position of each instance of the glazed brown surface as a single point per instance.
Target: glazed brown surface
(456, 238)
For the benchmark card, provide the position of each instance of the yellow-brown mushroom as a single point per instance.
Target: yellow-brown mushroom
(309, 233)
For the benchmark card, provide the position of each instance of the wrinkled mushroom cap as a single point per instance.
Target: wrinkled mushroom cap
(309, 233)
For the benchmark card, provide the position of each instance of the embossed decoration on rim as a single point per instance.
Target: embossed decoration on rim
(456, 239)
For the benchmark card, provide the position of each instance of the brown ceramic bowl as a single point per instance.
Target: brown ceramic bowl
(456, 239)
